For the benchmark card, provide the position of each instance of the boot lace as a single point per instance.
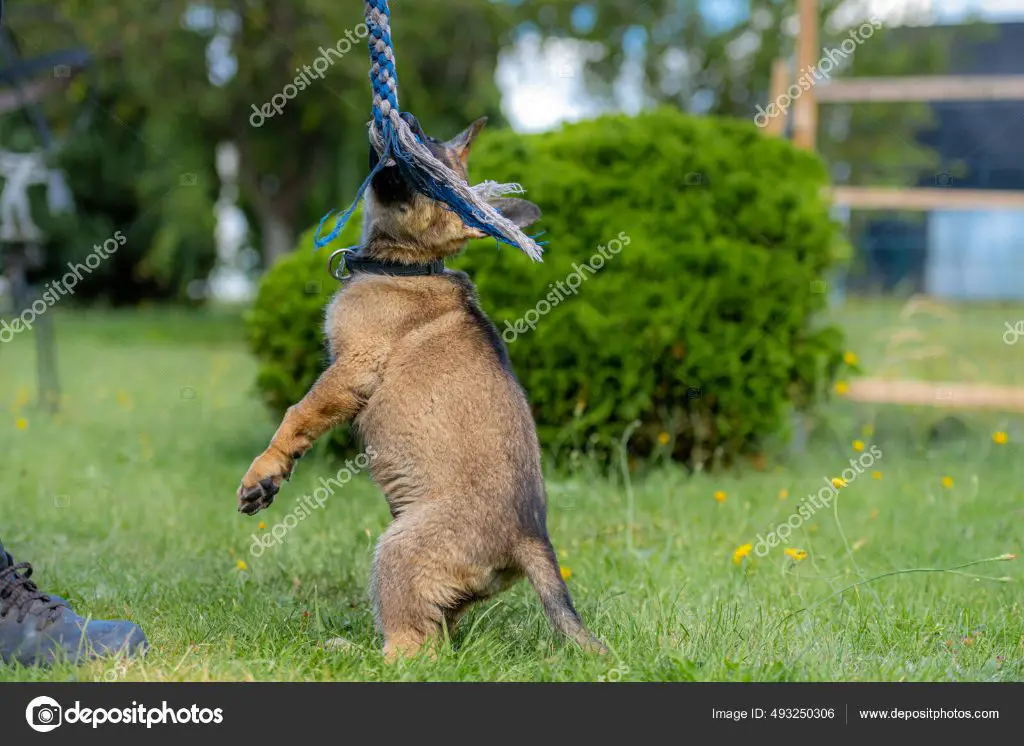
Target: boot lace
(19, 593)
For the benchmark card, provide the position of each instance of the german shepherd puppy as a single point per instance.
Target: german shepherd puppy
(425, 377)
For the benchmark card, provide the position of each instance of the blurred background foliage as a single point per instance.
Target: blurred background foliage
(172, 78)
(702, 195)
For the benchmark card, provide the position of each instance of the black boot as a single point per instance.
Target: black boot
(39, 628)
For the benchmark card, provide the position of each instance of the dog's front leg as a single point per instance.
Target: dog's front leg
(329, 403)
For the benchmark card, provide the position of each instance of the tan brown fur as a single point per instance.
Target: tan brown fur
(425, 378)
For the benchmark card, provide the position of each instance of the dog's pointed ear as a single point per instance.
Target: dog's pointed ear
(460, 145)
(522, 212)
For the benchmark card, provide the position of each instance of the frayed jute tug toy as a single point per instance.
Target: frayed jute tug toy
(398, 145)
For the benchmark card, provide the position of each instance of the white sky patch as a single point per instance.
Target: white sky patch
(947, 11)
(542, 84)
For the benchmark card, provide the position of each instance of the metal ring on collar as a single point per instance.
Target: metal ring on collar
(340, 272)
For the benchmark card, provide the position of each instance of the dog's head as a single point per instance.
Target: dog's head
(401, 225)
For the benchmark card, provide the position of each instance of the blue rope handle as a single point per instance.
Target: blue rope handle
(398, 145)
(383, 76)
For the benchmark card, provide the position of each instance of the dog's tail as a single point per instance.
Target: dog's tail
(537, 559)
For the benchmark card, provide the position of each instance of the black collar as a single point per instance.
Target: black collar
(357, 264)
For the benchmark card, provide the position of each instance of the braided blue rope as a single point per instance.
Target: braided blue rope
(398, 145)
(383, 75)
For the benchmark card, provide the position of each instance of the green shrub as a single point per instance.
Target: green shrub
(700, 323)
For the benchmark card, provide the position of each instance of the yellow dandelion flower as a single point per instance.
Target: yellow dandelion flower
(720, 496)
(742, 551)
(241, 565)
(1000, 438)
(876, 475)
(838, 482)
(868, 430)
(842, 388)
(858, 445)
(566, 573)
(21, 423)
(783, 494)
(947, 482)
(663, 438)
(796, 554)
(262, 525)
(850, 358)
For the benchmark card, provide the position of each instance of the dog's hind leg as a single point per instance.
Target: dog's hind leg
(537, 558)
(411, 587)
(427, 571)
(499, 581)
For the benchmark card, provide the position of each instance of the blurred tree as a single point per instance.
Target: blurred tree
(715, 57)
(121, 184)
(203, 70)
(110, 169)
(178, 76)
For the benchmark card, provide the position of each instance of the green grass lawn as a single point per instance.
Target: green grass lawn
(125, 504)
(935, 341)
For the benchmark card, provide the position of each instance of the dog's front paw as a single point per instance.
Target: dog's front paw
(262, 482)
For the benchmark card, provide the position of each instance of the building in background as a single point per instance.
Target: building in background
(961, 255)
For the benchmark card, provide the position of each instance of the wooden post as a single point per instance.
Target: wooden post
(805, 125)
(923, 88)
(935, 198)
(776, 126)
(46, 346)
